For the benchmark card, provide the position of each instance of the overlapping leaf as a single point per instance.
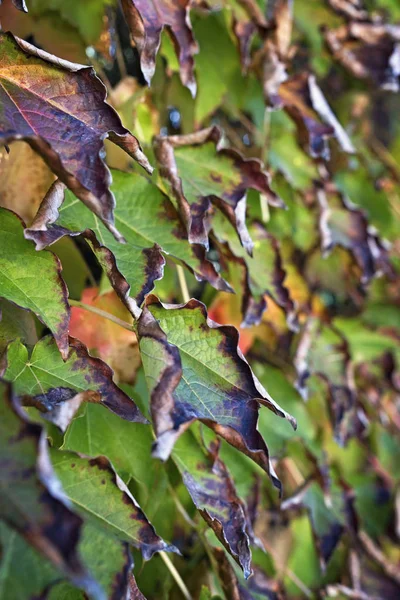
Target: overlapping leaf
(95, 489)
(146, 20)
(31, 501)
(149, 223)
(200, 172)
(68, 134)
(21, 270)
(48, 381)
(201, 375)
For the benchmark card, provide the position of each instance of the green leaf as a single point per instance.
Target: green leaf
(22, 268)
(50, 381)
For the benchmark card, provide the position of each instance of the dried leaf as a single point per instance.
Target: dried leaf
(97, 491)
(20, 4)
(212, 490)
(200, 171)
(146, 20)
(21, 270)
(201, 375)
(69, 135)
(32, 501)
(49, 381)
(147, 219)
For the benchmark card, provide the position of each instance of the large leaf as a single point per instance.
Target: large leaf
(98, 493)
(149, 223)
(195, 371)
(48, 381)
(200, 171)
(68, 134)
(31, 499)
(21, 271)
(146, 20)
(213, 492)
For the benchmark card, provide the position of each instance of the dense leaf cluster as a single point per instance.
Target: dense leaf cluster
(200, 326)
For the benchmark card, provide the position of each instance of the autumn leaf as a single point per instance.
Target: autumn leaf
(147, 20)
(97, 491)
(68, 135)
(201, 376)
(200, 172)
(20, 4)
(49, 381)
(150, 224)
(22, 268)
(32, 501)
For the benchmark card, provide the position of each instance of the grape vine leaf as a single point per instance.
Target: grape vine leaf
(150, 224)
(146, 20)
(21, 269)
(212, 490)
(59, 109)
(32, 501)
(44, 380)
(201, 375)
(97, 491)
(199, 171)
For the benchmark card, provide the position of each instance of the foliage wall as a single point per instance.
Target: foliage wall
(199, 292)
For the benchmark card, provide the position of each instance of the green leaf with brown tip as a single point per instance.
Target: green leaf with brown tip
(98, 493)
(195, 371)
(33, 280)
(44, 380)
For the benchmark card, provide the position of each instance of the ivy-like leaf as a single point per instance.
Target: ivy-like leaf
(31, 500)
(212, 490)
(343, 224)
(195, 371)
(21, 271)
(199, 172)
(146, 20)
(59, 109)
(48, 381)
(98, 492)
(149, 223)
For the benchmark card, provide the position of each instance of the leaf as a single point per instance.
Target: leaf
(196, 372)
(15, 323)
(32, 501)
(69, 135)
(135, 593)
(50, 381)
(146, 22)
(20, 4)
(21, 270)
(341, 223)
(97, 491)
(199, 172)
(149, 223)
(305, 103)
(212, 490)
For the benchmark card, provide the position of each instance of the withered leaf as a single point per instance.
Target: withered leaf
(213, 491)
(322, 350)
(304, 101)
(201, 172)
(98, 493)
(32, 501)
(150, 224)
(46, 381)
(146, 20)
(59, 109)
(343, 224)
(21, 270)
(195, 371)
(20, 4)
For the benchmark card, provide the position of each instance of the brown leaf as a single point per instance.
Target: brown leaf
(20, 4)
(32, 501)
(146, 20)
(343, 224)
(226, 172)
(353, 9)
(69, 135)
(134, 592)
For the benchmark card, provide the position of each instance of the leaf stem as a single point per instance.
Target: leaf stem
(182, 283)
(102, 313)
(178, 579)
